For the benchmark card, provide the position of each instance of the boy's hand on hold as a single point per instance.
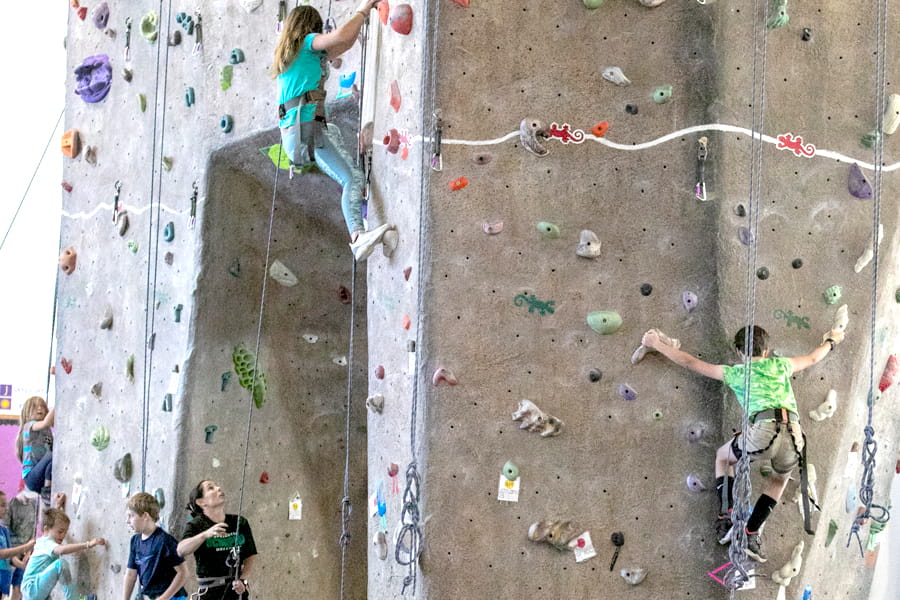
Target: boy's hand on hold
(97, 542)
(217, 530)
(835, 334)
(651, 339)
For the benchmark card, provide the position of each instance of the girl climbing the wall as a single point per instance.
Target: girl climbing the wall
(300, 68)
(34, 446)
(211, 536)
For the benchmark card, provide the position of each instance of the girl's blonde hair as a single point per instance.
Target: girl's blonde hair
(301, 22)
(27, 409)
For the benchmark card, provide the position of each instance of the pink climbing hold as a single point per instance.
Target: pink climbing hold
(82, 12)
(395, 95)
(492, 228)
(384, 9)
(67, 186)
(68, 260)
(379, 372)
(406, 322)
(402, 19)
(264, 477)
(407, 272)
(444, 374)
(463, 3)
(66, 365)
(889, 376)
(392, 141)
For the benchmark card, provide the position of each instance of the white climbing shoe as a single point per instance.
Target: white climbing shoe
(367, 240)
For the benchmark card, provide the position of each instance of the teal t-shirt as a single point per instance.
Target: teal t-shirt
(770, 384)
(301, 76)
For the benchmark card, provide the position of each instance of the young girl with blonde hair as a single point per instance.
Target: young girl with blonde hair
(34, 446)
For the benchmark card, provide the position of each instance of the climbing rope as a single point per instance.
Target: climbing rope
(870, 446)
(743, 489)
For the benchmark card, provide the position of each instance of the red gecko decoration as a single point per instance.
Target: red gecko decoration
(564, 134)
(787, 141)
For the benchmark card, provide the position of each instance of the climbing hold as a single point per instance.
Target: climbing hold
(593, 4)
(889, 375)
(740, 211)
(642, 350)
(90, 155)
(826, 408)
(174, 38)
(344, 295)
(401, 18)
(100, 15)
(445, 375)
(694, 484)
(646, 289)
(631, 109)
(66, 186)
(510, 471)
(251, 5)
(189, 97)
(695, 432)
(150, 26)
(100, 438)
(458, 184)
(66, 364)
(534, 419)
(745, 236)
(762, 273)
(559, 534)
(122, 468)
(107, 321)
(178, 309)
(662, 94)
(379, 372)
(384, 10)
(209, 430)
(532, 134)
(600, 129)
(389, 242)
(548, 230)
(405, 322)
(797, 263)
(627, 392)
(341, 361)
(226, 123)
(407, 272)
(790, 570)
(169, 258)
(169, 231)
(633, 576)
(870, 139)
(463, 3)
(264, 477)
(891, 114)
(615, 75)
(379, 542)
(142, 102)
(93, 78)
(116, 568)
(282, 274)
(127, 75)
(234, 269)
(225, 77)
(689, 300)
(778, 16)
(97, 390)
(160, 497)
(806, 35)
(310, 338)
(249, 377)
(833, 294)
(867, 256)
(226, 379)
(832, 530)
(897, 295)
(492, 228)
(657, 415)
(588, 244)
(67, 260)
(394, 89)
(858, 184)
(81, 12)
(166, 162)
(129, 368)
(392, 141)
(604, 322)
(543, 307)
(167, 403)
(595, 375)
(375, 403)
(236, 57)
(652, 3)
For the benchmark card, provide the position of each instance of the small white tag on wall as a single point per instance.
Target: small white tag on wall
(295, 508)
(584, 547)
(508, 491)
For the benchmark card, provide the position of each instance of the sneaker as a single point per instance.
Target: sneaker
(45, 495)
(723, 528)
(753, 548)
(367, 240)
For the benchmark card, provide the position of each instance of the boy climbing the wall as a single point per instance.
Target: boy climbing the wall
(153, 558)
(774, 431)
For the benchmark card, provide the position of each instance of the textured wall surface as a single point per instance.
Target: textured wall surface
(505, 312)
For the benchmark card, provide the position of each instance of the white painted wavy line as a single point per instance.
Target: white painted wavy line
(134, 210)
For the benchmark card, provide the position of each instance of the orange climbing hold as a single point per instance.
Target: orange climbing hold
(67, 260)
(395, 96)
(74, 4)
(600, 128)
(889, 376)
(71, 143)
(406, 322)
(463, 3)
(384, 9)
(458, 184)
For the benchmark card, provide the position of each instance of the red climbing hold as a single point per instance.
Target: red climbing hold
(458, 184)
(384, 9)
(379, 372)
(66, 365)
(463, 3)
(444, 374)
(66, 186)
(599, 130)
(395, 95)
(82, 12)
(392, 141)
(344, 295)
(402, 19)
(407, 272)
(890, 374)
(406, 322)
(264, 478)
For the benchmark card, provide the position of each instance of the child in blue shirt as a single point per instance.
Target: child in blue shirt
(153, 559)
(7, 551)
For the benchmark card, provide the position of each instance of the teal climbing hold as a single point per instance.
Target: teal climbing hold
(226, 124)
(510, 470)
(662, 94)
(548, 230)
(604, 322)
(169, 231)
(237, 56)
(226, 379)
(225, 77)
(178, 309)
(189, 97)
(833, 294)
(160, 497)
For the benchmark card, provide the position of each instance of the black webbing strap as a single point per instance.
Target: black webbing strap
(804, 487)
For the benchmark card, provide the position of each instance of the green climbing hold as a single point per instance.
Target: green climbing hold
(169, 231)
(129, 368)
(225, 77)
(150, 26)
(510, 470)
(870, 139)
(662, 94)
(593, 4)
(248, 377)
(778, 14)
(100, 438)
(833, 294)
(142, 102)
(657, 415)
(604, 322)
(832, 530)
(166, 163)
(133, 246)
(897, 295)
(548, 230)
(281, 160)
(189, 97)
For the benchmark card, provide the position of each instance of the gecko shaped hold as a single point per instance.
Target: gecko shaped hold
(642, 350)
(826, 409)
(604, 322)
(588, 244)
(562, 535)
(857, 183)
(445, 375)
(633, 576)
(790, 570)
(532, 134)
(615, 75)
(534, 419)
(67, 260)
(866, 257)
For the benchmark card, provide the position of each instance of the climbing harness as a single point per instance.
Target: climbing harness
(702, 154)
(127, 39)
(115, 211)
(307, 135)
(198, 33)
(193, 222)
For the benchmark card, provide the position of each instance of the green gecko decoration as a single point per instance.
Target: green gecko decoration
(534, 304)
(788, 315)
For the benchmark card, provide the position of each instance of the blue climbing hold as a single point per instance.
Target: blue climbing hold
(226, 124)
(237, 56)
(169, 231)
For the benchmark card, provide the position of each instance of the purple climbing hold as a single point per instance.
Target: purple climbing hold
(93, 78)
(858, 184)
(745, 236)
(627, 392)
(694, 484)
(695, 432)
(690, 301)
(100, 15)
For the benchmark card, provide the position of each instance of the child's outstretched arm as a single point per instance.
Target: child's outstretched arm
(681, 358)
(70, 548)
(342, 39)
(130, 580)
(16, 550)
(835, 336)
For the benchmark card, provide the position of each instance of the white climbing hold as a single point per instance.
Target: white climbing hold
(891, 114)
(375, 403)
(340, 361)
(866, 257)
(389, 242)
(841, 319)
(615, 75)
(651, 3)
(531, 134)
(216, 463)
(282, 274)
(826, 409)
(633, 576)
(784, 575)
(379, 541)
(534, 419)
(251, 5)
(694, 484)
(310, 338)
(588, 244)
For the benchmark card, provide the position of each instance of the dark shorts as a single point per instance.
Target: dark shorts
(767, 440)
(5, 579)
(17, 577)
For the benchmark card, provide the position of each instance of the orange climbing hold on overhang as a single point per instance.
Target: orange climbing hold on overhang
(458, 184)
(384, 9)
(599, 130)
(71, 143)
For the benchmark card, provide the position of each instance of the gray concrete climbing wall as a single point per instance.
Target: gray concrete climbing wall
(618, 465)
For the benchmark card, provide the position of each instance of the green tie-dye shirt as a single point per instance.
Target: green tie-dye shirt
(770, 384)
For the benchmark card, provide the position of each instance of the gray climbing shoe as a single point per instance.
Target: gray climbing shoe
(754, 550)
(367, 240)
(723, 528)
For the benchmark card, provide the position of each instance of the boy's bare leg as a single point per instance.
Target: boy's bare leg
(725, 460)
(775, 484)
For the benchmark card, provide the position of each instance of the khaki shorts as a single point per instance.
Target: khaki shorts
(767, 440)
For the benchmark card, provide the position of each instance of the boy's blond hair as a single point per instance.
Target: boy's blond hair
(55, 516)
(141, 503)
